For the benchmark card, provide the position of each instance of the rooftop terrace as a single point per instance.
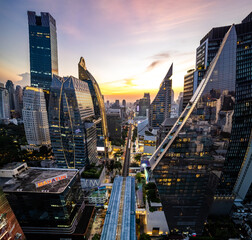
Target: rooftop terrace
(42, 180)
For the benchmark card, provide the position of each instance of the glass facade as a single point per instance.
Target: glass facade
(242, 119)
(9, 226)
(160, 108)
(72, 130)
(53, 208)
(188, 163)
(98, 102)
(43, 49)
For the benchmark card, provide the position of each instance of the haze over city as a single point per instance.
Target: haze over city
(128, 45)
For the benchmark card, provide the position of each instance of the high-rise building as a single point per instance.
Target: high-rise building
(144, 104)
(116, 104)
(188, 87)
(19, 100)
(71, 120)
(161, 106)
(35, 117)
(48, 203)
(99, 107)
(10, 87)
(43, 49)
(114, 127)
(187, 164)
(242, 117)
(124, 103)
(4, 102)
(9, 226)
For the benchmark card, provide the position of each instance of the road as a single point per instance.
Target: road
(126, 164)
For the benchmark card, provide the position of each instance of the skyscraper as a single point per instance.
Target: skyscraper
(161, 106)
(144, 104)
(72, 128)
(10, 87)
(35, 117)
(124, 102)
(43, 49)
(19, 100)
(98, 103)
(4, 102)
(242, 118)
(188, 87)
(187, 165)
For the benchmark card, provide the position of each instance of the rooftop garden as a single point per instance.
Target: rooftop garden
(92, 171)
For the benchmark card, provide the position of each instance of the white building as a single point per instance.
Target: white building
(35, 117)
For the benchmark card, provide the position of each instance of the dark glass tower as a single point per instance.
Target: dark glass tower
(242, 119)
(187, 165)
(160, 108)
(72, 130)
(98, 102)
(43, 49)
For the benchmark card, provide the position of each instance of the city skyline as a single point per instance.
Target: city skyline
(128, 45)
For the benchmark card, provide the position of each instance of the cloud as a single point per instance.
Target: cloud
(154, 64)
(25, 81)
(159, 59)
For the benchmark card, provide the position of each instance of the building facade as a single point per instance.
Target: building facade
(187, 165)
(10, 88)
(114, 127)
(242, 118)
(19, 100)
(160, 108)
(9, 226)
(35, 117)
(43, 49)
(72, 129)
(188, 87)
(48, 203)
(144, 104)
(4, 102)
(99, 107)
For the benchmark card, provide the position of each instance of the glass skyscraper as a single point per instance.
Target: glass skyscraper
(72, 129)
(160, 108)
(242, 119)
(187, 165)
(98, 102)
(43, 49)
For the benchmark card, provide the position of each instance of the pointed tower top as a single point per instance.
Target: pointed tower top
(82, 63)
(169, 73)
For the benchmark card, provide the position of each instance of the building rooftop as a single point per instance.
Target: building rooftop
(42, 180)
(11, 166)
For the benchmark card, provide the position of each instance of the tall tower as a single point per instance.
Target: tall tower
(35, 117)
(72, 130)
(4, 102)
(187, 165)
(98, 103)
(43, 49)
(19, 100)
(160, 108)
(10, 87)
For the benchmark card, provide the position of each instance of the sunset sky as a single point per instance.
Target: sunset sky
(128, 45)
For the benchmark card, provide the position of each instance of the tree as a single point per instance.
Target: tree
(139, 177)
(145, 236)
(118, 165)
(138, 157)
(96, 237)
